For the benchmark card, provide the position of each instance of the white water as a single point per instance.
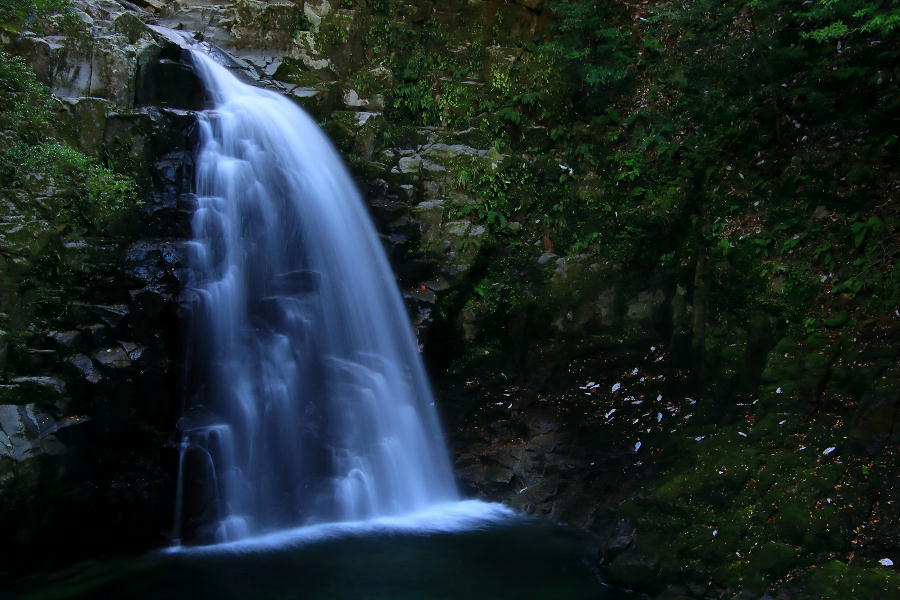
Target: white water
(313, 405)
(466, 515)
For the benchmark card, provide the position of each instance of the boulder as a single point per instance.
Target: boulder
(27, 431)
(42, 389)
(634, 569)
(874, 427)
(170, 81)
(85, 367)
(113, 358)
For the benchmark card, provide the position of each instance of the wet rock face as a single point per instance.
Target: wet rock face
(167, 79)
(97, 58)
(87, 384)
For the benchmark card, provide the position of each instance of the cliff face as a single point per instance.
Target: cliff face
(656, 306)
(91, 259)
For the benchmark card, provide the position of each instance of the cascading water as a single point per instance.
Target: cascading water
(314, 405)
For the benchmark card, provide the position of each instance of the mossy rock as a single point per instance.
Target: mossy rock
(824, 532)
(792, 521)
(837, 320)
(773, 559)
(295, 72)
(873, 427)
(635, 569)
(780, 365)
(840, 581)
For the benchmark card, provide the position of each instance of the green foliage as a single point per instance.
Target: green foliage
(831, 31)
(835, 20)
(597, 52)
(16, 13)
(26, 107)
(78, 192)
(89, 195)
(837, 580)
(740, 117)
(415, 96)
(490, 184)
(299, 21)
(333, 31)
(863, 229)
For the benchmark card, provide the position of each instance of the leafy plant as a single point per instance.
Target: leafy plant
(16, 13)
(88, 195)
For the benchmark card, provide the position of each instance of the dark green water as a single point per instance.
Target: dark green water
(519, 560)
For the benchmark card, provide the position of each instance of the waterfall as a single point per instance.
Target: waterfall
(312, 404)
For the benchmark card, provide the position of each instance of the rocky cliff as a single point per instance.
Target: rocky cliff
(92, 259)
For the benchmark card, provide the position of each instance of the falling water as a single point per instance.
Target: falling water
(314, 405)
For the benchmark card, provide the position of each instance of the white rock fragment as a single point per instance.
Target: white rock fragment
(778, 391)
(699, 437)
(715, 532)
(634, 371)
(658, 397)
(742, 434)
(658, 417)
(616, 387)
(607, 415)
(886, 562)
(637, 446)
(782, 422)
(829, 450)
